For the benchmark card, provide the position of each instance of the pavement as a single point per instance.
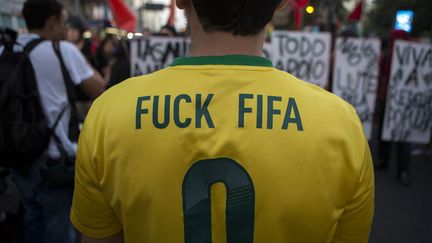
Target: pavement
(403, 214)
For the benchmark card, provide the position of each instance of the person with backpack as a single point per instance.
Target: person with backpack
(38, 125)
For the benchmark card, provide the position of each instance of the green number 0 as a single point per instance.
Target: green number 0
(240, 205)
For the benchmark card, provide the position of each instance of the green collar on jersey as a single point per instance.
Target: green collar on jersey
(241, 60)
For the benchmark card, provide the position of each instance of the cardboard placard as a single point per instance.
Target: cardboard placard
(355, 76)
(303, 54)
(152, 54)
(408, 116)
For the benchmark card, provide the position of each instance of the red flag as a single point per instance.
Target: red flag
(298, 5)
(298, 18)
(171, 19)
(123, 17)
(356, 14)
(302, 3)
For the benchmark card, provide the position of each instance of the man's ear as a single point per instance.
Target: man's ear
(283, 4)
(183, 4)
(51, 22)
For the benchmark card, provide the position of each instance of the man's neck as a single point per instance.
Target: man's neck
(42, 33)
(223, 43)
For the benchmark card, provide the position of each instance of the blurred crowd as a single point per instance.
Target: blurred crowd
(108, 51)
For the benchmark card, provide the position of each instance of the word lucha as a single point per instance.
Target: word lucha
(153, 54)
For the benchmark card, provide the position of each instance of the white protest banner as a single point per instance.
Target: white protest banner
(303, 54)
(268, 50)
(355, 76)
(152, 54)
(408, 116)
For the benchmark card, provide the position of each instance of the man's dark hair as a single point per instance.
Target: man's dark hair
(240, 17)
(37, 12)
(78, 23)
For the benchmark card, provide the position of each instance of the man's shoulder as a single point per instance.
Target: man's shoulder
(312, 91)
(125, 89)
(68, 46)
(320, 100)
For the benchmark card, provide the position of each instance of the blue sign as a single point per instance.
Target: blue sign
(404, 19)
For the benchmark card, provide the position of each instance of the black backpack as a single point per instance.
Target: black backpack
(24, 133)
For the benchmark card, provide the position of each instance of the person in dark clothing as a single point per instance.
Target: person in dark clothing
(121, 68)
(105, 56)
(75, 29)
(384, 148)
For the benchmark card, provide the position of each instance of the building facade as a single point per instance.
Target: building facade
(96, 10)
(10, 14)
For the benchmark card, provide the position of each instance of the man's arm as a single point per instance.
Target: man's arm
(94, 86)
(81, 72)
(354, 225)
(118, 238)
(91, 212)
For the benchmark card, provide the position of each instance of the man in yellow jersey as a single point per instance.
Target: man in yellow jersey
(222, 147)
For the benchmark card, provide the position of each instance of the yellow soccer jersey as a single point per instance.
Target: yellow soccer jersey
(223, 149)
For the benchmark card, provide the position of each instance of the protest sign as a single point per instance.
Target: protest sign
(355, 76)
(408, 116)
(268, 50)
(152, 54)
(303, 54)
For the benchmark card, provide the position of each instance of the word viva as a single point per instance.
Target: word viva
(184, 111)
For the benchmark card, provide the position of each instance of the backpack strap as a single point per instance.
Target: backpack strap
(55, 136)
(32, 44)
(58, 120)
(71, 93)
(66, 76)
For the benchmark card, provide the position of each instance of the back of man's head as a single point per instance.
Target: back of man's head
(239, 17)
(37, 12)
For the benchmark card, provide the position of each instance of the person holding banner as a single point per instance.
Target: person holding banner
(223, 147)
(403, 150)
